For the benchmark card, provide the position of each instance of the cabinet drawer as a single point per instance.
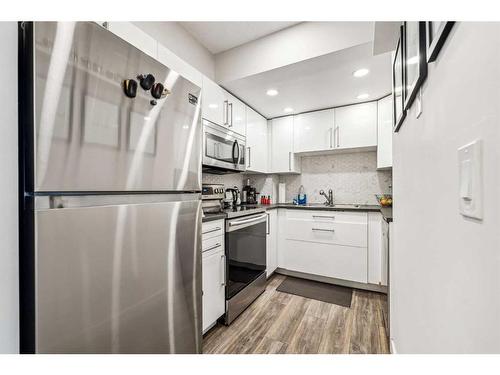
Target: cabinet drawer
(213, 244)
(212, 229)
(328, 232)
(328, 216)
(341, 262)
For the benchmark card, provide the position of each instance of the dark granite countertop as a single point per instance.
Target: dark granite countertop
(385, 211)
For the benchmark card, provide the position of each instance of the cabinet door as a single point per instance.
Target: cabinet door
(236, 114)
(214, 105)
(282, 157)
(213, 268)
(135, 36)
(313, 131)
(257, 147)
(356, 125)
(384, 146)
(272, 242)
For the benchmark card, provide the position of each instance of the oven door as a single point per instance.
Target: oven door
(245, 251)
(223, 149)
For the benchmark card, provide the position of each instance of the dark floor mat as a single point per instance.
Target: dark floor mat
(338, 295)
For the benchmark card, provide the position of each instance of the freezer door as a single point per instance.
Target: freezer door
(118, 276)
(89, 135)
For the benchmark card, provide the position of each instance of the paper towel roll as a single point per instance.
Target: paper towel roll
(282, 193)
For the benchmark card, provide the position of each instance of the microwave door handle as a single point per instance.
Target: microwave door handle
(236, 159)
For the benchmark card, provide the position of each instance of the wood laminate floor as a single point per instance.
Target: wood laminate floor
(283, 323)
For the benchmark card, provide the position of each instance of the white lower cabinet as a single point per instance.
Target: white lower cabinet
(337, 244)
(213, 271)
(272, 242)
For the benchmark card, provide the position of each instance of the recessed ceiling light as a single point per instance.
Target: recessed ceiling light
(360, 72)
(272, 92)
(288, 110)
(362, 96)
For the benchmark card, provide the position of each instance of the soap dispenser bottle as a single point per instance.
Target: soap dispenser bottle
(302, 197)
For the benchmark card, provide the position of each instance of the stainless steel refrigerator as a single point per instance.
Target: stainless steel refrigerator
(110, 209)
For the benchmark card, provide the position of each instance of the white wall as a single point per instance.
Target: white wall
(445, 269)
(182, 43)
(9, 287)
(303, 41)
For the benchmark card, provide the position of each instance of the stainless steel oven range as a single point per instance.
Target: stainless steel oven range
(246, 259)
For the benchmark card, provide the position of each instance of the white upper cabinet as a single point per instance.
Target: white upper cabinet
(257, 147)
(313, 131)
(235, 116)
(135, 36)
(356, 126)
(384, 146)
(282, 157)
(213, 102)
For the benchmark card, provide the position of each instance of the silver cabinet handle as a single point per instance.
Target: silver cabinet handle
(331, 136)
(323, 230)
(212, 247)
(268, 223)
(290, 161)
(338, 136)
(223, 261)
(249, 158)
(231, 117)
(226, 112)
(212, 230)
(324, 217)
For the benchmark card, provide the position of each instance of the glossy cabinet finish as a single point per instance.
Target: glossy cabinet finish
(313, 131)
(214, 105)
(236, 116)
(272, 242)
(257, 142)
(384, 129)
(356, 126)
(282, 157)
(213, 272)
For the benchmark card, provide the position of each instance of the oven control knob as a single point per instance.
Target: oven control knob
(146, 80)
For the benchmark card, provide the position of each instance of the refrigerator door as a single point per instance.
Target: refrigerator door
(118, 274)
(90, 136)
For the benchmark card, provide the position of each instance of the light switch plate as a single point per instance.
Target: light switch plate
(470, 174)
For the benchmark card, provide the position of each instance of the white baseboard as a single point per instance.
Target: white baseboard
(392, 344)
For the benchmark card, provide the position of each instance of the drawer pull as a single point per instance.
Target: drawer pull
(212, 230)
(324, 217)
(323, 230)
(212, 247)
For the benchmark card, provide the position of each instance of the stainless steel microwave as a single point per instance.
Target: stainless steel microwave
(223, 149)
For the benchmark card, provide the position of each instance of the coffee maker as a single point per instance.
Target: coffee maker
(249, 194)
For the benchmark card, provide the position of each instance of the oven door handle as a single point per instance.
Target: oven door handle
(254, 219)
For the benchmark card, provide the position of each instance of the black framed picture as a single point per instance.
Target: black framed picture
(415, 62)
(437, 32)
(398, 92)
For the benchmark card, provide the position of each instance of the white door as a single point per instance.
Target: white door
(313, 131)
(214, 106)
(257, 147)
(272, 242)
(282, 157)
(384, 146)
(236, 114)
(213, 268)
(356, 125)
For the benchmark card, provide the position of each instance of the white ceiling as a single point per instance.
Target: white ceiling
(321, 82)
(222, 36)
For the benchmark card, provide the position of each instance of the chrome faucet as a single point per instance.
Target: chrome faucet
(329, 197)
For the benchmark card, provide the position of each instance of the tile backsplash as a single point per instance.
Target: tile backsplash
(353, 177)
